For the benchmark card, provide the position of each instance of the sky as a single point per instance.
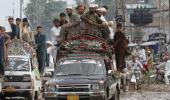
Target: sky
(7, 6)
(6, 9)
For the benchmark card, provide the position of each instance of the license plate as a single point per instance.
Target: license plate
(72, 97)
(10, 89)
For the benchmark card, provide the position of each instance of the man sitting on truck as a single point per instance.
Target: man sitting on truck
(94, 21)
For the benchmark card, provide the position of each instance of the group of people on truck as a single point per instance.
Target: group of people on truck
(91, 21)
(21, 30)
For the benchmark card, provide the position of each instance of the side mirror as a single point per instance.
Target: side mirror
(110, 72)
(31, 64)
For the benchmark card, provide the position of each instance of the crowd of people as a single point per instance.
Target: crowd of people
(140, 59)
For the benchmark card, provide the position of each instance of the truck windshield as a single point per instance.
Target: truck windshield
(81, 67)
(17, 64)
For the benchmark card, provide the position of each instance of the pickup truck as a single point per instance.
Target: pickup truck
(21, 76)
(82, 77)
(85, 71)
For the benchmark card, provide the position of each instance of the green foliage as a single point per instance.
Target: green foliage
(46, 11)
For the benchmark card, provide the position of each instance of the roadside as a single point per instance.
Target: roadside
(148, 92)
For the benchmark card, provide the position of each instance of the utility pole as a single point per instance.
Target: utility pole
(169, 22)
(21, 3)
(37, 12)
(13, 11)
(120, 9)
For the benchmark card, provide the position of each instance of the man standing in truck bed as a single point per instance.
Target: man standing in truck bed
(40, 41)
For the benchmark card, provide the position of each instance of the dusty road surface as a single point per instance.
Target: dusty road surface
(148, 92)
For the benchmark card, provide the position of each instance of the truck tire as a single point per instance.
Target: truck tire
(29, 97)
(37, 94)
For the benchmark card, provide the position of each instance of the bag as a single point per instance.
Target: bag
(133, 79)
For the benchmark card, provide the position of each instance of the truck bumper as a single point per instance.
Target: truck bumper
(81, 96)
(16, 89)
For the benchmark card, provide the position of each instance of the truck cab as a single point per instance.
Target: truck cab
(82, 77)
(21, 76)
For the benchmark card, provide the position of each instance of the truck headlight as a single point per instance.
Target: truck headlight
(26, 78)
(50, 88)
(95, 87)
(48, 74)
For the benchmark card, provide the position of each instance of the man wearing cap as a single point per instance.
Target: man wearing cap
(73, 21)
(92, 20)
(73, 18)
(102, 13)
(91, 17)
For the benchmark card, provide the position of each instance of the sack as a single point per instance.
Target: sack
(37, 73)
(133, 79)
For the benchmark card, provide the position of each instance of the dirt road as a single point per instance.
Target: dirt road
(148, 92)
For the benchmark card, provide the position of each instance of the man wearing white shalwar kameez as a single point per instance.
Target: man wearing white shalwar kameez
(55, 33)
(108, 23)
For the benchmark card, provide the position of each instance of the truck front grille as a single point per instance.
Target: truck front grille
(13, 78)
(74, 88)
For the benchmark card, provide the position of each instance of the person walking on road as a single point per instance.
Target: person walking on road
(120, 45)
(40, 41)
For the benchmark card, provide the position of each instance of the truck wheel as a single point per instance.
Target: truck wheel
(135, 86)
(29, 97)
(2, 98)
(36, 95)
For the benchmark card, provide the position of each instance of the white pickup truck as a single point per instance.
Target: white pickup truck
(21, 76)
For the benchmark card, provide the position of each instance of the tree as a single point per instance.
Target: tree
(44, 12)
(84, 2)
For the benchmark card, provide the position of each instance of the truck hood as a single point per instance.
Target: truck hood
(76, 80)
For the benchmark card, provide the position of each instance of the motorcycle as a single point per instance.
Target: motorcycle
(136, 79)
(160, 76)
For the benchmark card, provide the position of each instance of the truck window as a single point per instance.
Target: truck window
(17, 64)
(85, 67)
